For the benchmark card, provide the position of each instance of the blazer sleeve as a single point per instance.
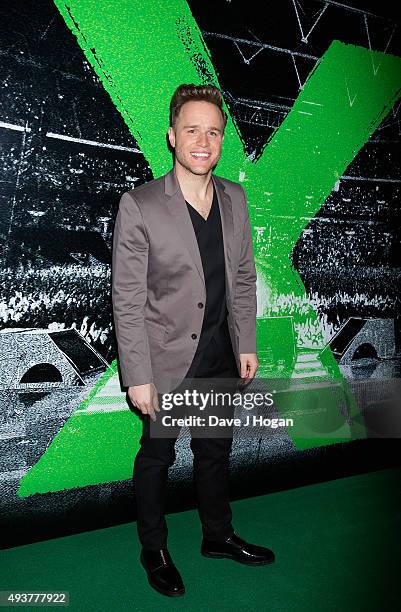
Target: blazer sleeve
(245, 301)
(129, 292)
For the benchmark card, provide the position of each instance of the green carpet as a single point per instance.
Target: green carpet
(336, 545)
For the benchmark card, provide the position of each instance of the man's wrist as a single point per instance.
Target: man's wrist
(137, 382)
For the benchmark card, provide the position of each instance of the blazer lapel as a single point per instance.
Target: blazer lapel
(182, 220)
(226, 215)
(178, 208)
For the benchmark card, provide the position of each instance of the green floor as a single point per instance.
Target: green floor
(336, 544)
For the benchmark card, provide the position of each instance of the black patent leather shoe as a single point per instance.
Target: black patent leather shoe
(162, 573)
(237, 549)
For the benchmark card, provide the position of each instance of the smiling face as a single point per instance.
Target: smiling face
(197, 136)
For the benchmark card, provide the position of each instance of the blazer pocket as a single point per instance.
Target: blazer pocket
(155, 330)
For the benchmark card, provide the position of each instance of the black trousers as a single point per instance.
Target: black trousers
(210, 464)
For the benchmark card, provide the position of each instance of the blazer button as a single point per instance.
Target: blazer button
(194, 336)
(200, 304)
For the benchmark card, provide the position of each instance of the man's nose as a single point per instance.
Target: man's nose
(202, 139)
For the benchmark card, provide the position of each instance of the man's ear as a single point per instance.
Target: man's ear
(171, 136)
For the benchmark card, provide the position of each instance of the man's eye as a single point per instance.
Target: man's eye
(213, 133)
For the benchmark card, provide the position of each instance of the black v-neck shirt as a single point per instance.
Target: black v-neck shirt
(209, 235)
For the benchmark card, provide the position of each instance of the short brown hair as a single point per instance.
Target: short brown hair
(187, 92)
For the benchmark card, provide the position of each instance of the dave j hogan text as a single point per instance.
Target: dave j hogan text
(215, 421)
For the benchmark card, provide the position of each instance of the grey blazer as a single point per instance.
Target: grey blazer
(158, 286)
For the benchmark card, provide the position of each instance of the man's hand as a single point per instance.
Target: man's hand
(249, 364)
(144, 397)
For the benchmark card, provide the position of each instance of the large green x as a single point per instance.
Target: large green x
(141, 50)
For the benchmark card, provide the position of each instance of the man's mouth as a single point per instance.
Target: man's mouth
(200, 155)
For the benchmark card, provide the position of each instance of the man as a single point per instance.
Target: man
(184, 300)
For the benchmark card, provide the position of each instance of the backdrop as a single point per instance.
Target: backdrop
(312, 90)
